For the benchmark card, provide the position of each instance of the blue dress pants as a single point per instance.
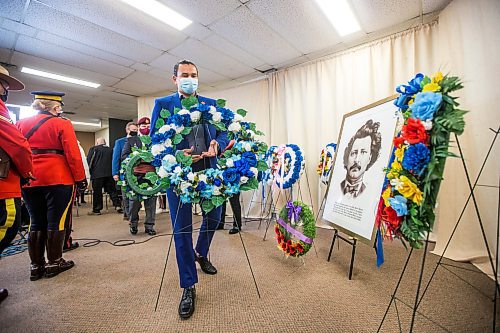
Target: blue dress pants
(182, 225)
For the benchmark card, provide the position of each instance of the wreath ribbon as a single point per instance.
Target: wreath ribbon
(293, 211)
(294, 232)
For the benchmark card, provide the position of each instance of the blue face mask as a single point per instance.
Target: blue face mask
(188, 85)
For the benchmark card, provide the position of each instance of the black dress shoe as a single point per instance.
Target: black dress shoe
(186, 306)
(150, 232)
(4, 293)
(206, 265)
(133, 230)
(74, 245)
(234, 230)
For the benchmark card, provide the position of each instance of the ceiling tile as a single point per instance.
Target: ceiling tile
(74, 28)
(82, 48)
(53, 52)
(300, 22)
(139, 88)
(204, 12)
(225, 46)
(121, 18)
(157, 80)
(12, 9)
(166, 62)
(430, 6)
(19, 27)
(245, 30)
(205, 56)
(7, 39)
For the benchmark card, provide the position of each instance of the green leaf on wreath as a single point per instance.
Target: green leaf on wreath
(228, 153)
(221, 162)
(221, 103)
(183, 159)
(177, 138)
(241, 112)
(176, 110)
(252, 184)
(165, 182)
(207, 206)
(159, 123)
(152, 177)
(146, 140)
(262, 166)
(219, 126)
(230, 135)
(164, 113)
(218, 200)
(186, 131)
(187, 103)
(144, 185)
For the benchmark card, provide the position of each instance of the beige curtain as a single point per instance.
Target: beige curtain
(469, 46)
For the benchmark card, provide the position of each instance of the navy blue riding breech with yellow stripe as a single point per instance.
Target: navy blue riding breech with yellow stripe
(10, 220)
(49, 206)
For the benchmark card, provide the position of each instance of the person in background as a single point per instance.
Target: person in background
(117, 162)
(162, 202)
(15, 167)
(87, 173)
(234, 201)
(203, 143)
(57, 167)
(100, 158)
(140, 170)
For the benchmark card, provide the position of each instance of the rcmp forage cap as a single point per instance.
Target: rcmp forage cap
(14, 84)
(50, 95)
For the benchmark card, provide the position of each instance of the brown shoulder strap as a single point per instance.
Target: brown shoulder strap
(36, 127)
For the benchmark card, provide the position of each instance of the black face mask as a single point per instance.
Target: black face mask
(4, 97)
(133, 133)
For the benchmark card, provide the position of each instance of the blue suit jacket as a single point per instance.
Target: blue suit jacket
(172, 101)
(117, 152)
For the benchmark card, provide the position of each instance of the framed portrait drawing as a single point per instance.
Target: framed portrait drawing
(363, 151)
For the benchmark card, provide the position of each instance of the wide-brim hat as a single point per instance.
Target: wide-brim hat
(14, 84)
(50, 95)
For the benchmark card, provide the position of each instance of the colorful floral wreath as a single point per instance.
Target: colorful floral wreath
(143, 187)
(325, 162)
(238, 168)
(293, 216)
(430, 113)
(286, 165)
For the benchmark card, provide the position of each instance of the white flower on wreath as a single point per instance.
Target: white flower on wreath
(135, 153)
(254, 170)
(162, 173)
(158, 148)
(164, 128)
(202, 178)
(234, 127)
(177, 169)
(213, 109)
(179, 129)
(243, 180)
(184, 186)
(427, 124)
(229, 163)
(195, 116)
(251, 133)
(396, 183)
(216, 190)
(237, 117)
(217, 117)
(190, 176)
(248, 146)
(182, 112)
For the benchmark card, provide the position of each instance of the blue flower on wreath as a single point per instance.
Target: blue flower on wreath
(425, 105)
(231, 176)
(185, 198)
(406, 91)
(398, 203)
(232, 189)
(250, 158)
(416, 158)
(217, 182)
(207, 191)
(243, 168)
(227, 115)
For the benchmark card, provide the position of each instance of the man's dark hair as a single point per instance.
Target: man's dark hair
(183, 62)
(369, 129)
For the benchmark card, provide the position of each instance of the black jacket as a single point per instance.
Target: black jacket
(133, 141)
(100, 160)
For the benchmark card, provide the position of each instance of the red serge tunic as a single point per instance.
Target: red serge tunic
(62, 166)
(18, 149)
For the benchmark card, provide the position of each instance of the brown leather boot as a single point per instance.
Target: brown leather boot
(56, 264)
(36, 249)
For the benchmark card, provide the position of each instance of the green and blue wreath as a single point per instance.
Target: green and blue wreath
(236, 170)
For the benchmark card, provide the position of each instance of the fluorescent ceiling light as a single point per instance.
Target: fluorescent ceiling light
(160, 12)
(59, 77)
(86, 124)
(340, 15)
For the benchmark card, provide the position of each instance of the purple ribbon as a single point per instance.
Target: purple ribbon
(294, 232)
(293, 211)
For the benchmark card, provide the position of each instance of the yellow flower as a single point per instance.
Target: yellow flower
(410, 190)
(431, 87)
(437, 77)
(386, 195)
(410, 102)
(400, 153)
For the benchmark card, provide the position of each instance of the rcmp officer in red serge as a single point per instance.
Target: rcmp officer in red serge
(15, 166)
(58, 166)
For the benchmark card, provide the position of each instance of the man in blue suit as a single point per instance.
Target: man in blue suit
(117, 161)
(204, 143)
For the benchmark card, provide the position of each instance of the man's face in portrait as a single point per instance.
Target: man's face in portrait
(358, 159)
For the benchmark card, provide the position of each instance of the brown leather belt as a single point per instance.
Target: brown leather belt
(37, 151)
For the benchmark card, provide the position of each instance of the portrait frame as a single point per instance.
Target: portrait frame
(341, 211)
